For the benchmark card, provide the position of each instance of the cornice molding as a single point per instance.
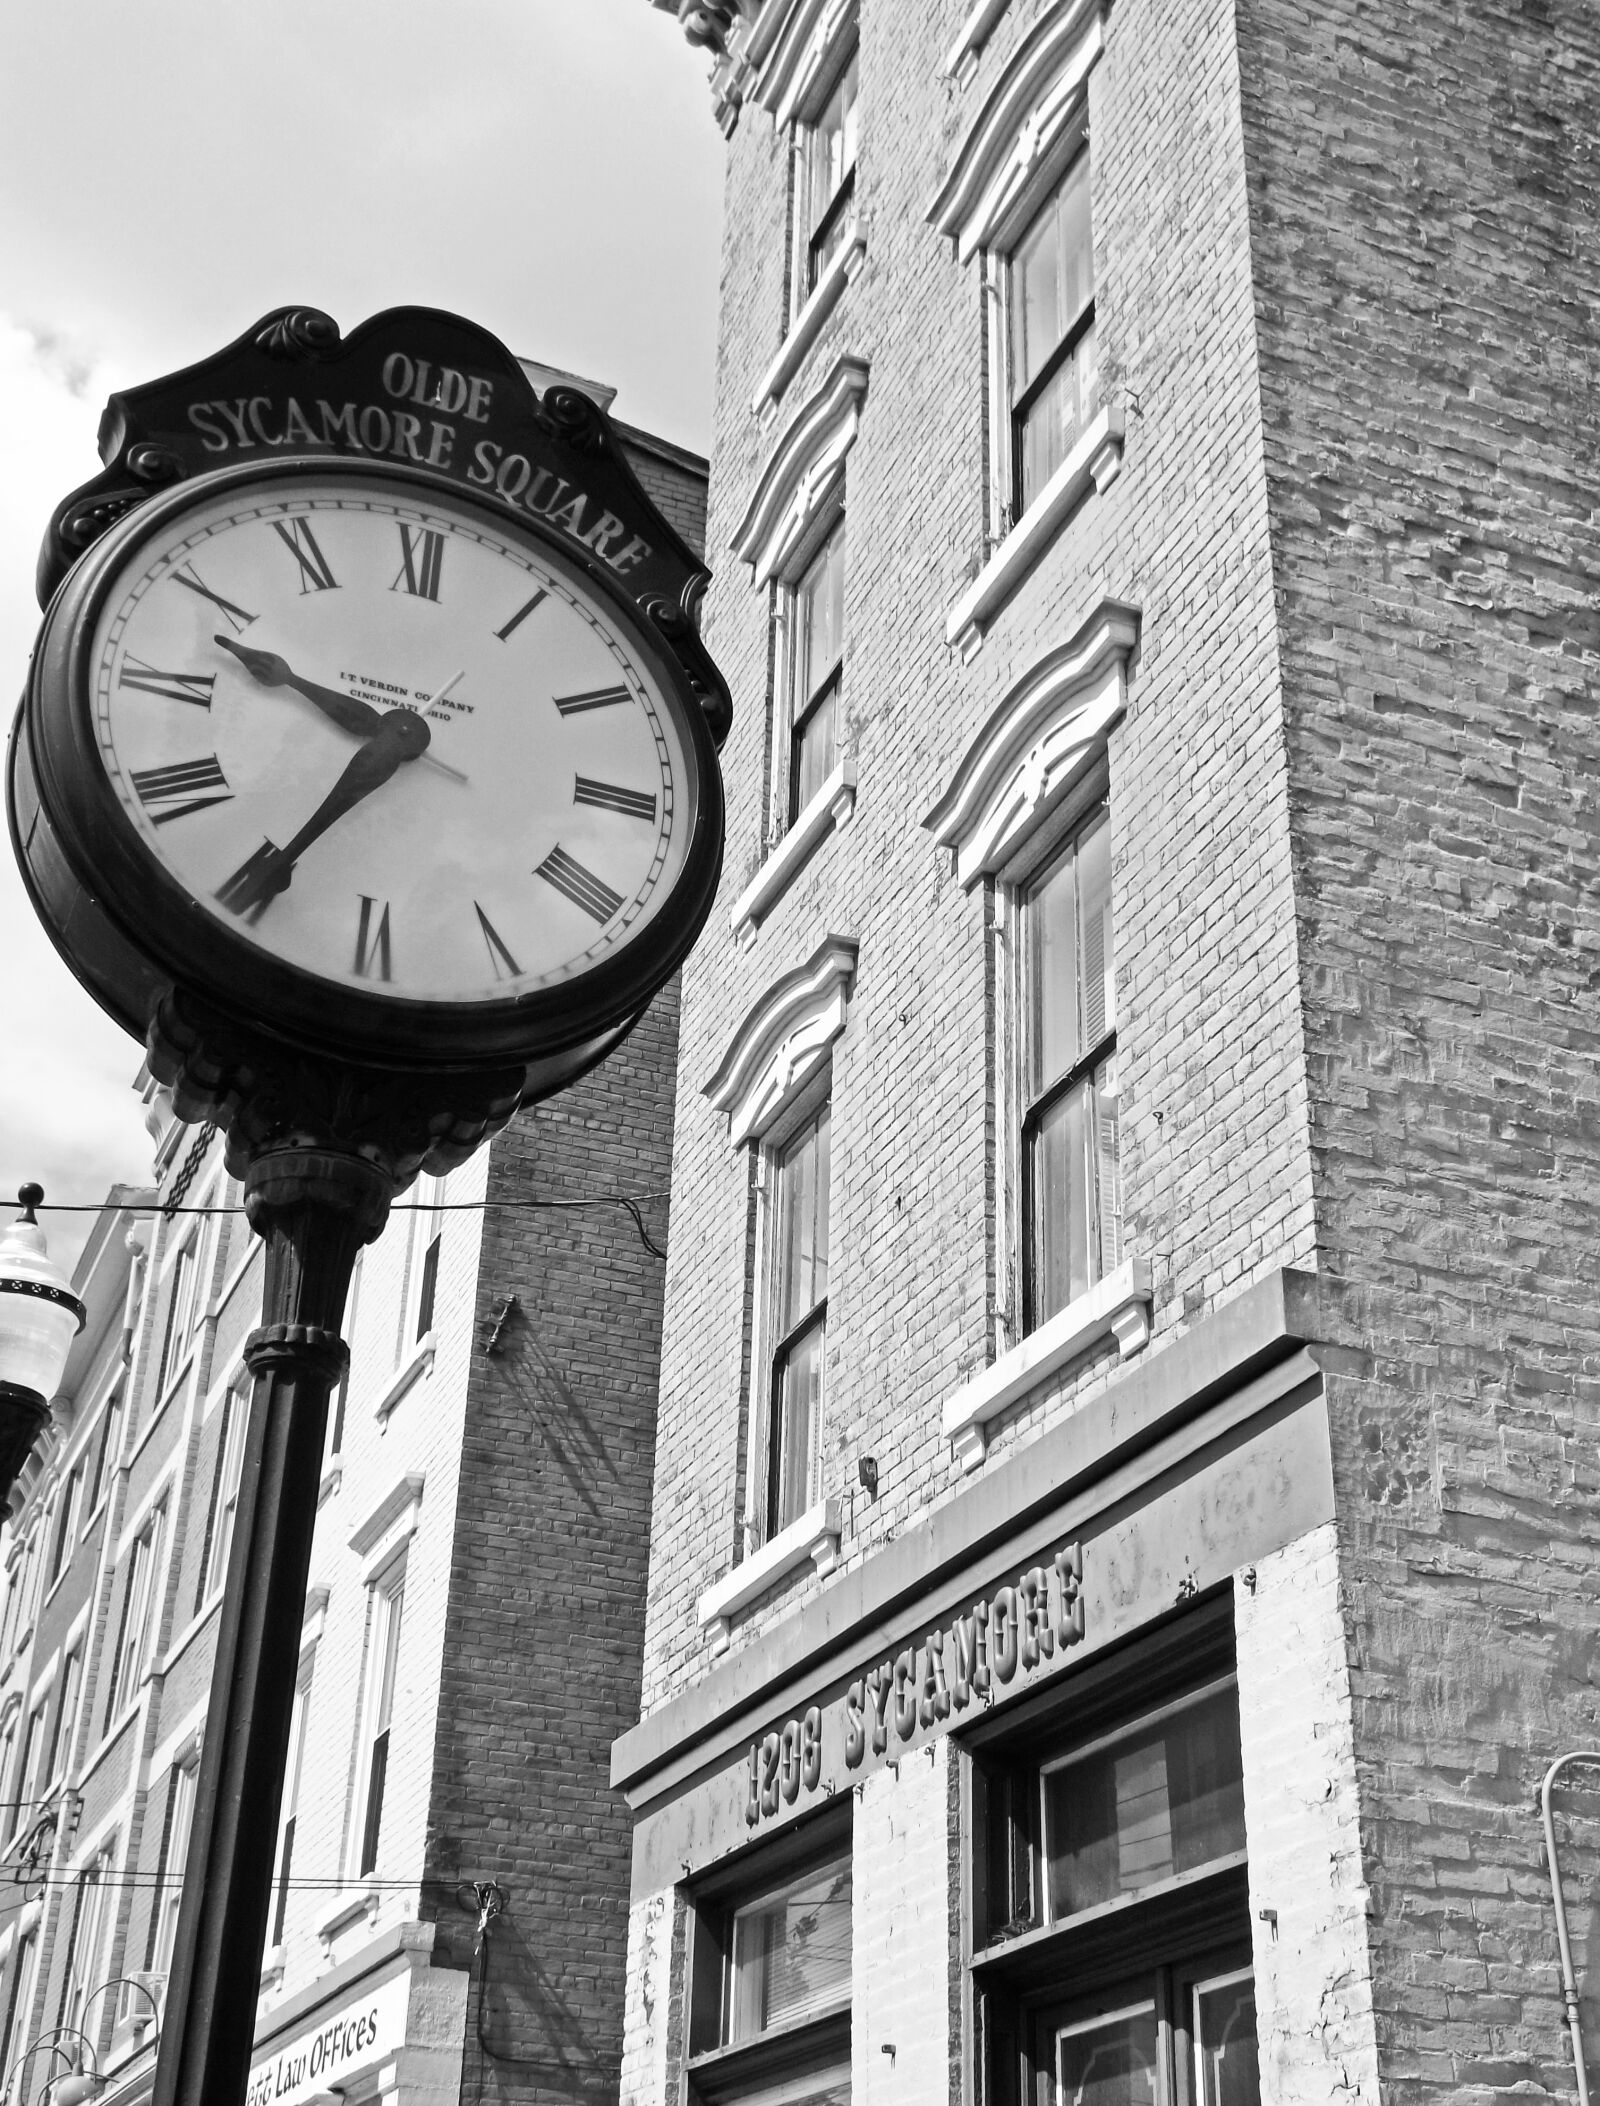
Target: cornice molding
(1040, 740)
(1026, 119)
(801, 473)
(784, 1040)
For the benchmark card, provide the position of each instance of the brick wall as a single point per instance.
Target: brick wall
(1216, 1164)
(1422, 197)
(546, 1592)
(901, 1933)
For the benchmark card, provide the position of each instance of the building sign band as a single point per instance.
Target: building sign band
(999, 1639)
(313, 2063)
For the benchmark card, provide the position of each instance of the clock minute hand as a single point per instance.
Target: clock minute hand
(401, 736)
(272, 671)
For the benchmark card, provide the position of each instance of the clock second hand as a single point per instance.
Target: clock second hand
(432, 759)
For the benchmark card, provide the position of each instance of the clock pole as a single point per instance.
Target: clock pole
(314, 1208)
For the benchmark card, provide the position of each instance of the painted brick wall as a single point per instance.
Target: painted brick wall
(1216, 1164)
(646, 2019)
(901, 1933)
(1423, 210)
(1308, 1897)
(542, 1637)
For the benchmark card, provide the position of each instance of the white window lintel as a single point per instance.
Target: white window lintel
(1116, 1307)
(802, 472)
(812, 1538)
(1046, 732)
(400, 1502)
(1013, 144)
(784, 1040)
(791, 49)
(417, 1363)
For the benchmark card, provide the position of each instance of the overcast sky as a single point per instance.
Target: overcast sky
(170, 171)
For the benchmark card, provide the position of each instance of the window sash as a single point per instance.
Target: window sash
(291, 1800)
(66, 1526)
(64, 1733)
(105, 1454)
(814, 742)
(831, 145)
(1052, 384)
(88, 1935)
(180, 1313)
(383, 1668)
(789, 1952)
(19, 2006)
(174, 1863)
(794, 1439)
(225, 1491)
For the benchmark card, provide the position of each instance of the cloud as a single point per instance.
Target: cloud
(56, 355)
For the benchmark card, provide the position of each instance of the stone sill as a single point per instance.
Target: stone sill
(832, 806)
(1116, 1307)
(815, 1536)
(412, 1370)
(807, 324)
(344, 1909)
(1095, 460)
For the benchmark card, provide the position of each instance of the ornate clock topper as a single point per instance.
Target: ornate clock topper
(420, 389)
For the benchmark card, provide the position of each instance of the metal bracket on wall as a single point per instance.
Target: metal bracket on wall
(504, 1310)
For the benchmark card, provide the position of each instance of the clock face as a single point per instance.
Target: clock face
(390, 741)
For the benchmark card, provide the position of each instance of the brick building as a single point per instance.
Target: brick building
(473, 1627)
(1123, 1556)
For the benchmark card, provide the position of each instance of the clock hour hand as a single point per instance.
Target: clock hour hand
(345, 710)
(401, 736)
(273, 671)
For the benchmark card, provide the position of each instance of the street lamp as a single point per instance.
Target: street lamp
(40, 1316)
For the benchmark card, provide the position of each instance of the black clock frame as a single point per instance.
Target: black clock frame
(132, 933)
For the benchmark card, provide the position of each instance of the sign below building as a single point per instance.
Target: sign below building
(317, 2061)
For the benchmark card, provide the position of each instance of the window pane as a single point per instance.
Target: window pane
(797, 1411)
(1052, 277)
(1048, 429)
(1108, 2061)
(833, 142)
(802, 1224)
(1062, 1249)
(1097, 981)
(1051, 912)
(1158, 1802)
(819, 619)
(816, 750)
(791, 1952)
(1225, 2043)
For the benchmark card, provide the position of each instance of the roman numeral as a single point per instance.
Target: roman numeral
(581, 886)
(505, 966)
(522, 614)
(637, 804)
(186, 574)
(256, 883)
(173, 687)
(593, 698)
(373, 954)
(298, 539)
(421, 559)
(173, 792)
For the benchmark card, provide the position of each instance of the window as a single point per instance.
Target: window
(91, 1919)
(132, 1654)
(816, 616)
(182, 1293)
(291, 1797)
(66, 1723)
(174, 1859)
(8, 1748)
(19, 2005)
(69, 1507)
(1112, 1833)
(825, 178)
(770, 1975)
(105, 1454)
(422, 1263)
(28, 1777)
(224, 1491)
(377, 1712)
(1052, 374)
(1072, 1197)
(799, 1267)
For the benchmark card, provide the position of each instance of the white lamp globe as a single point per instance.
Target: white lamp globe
(40, 1315)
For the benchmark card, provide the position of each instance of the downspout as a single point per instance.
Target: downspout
(1569, 1987)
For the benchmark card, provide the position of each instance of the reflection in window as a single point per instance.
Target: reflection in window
(1156, 1801)
(800, 1289)
(818, 672)
(1226, 2068)
(1108, 2061)
(1054, 374)
(791, 1952)
(829, 171)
